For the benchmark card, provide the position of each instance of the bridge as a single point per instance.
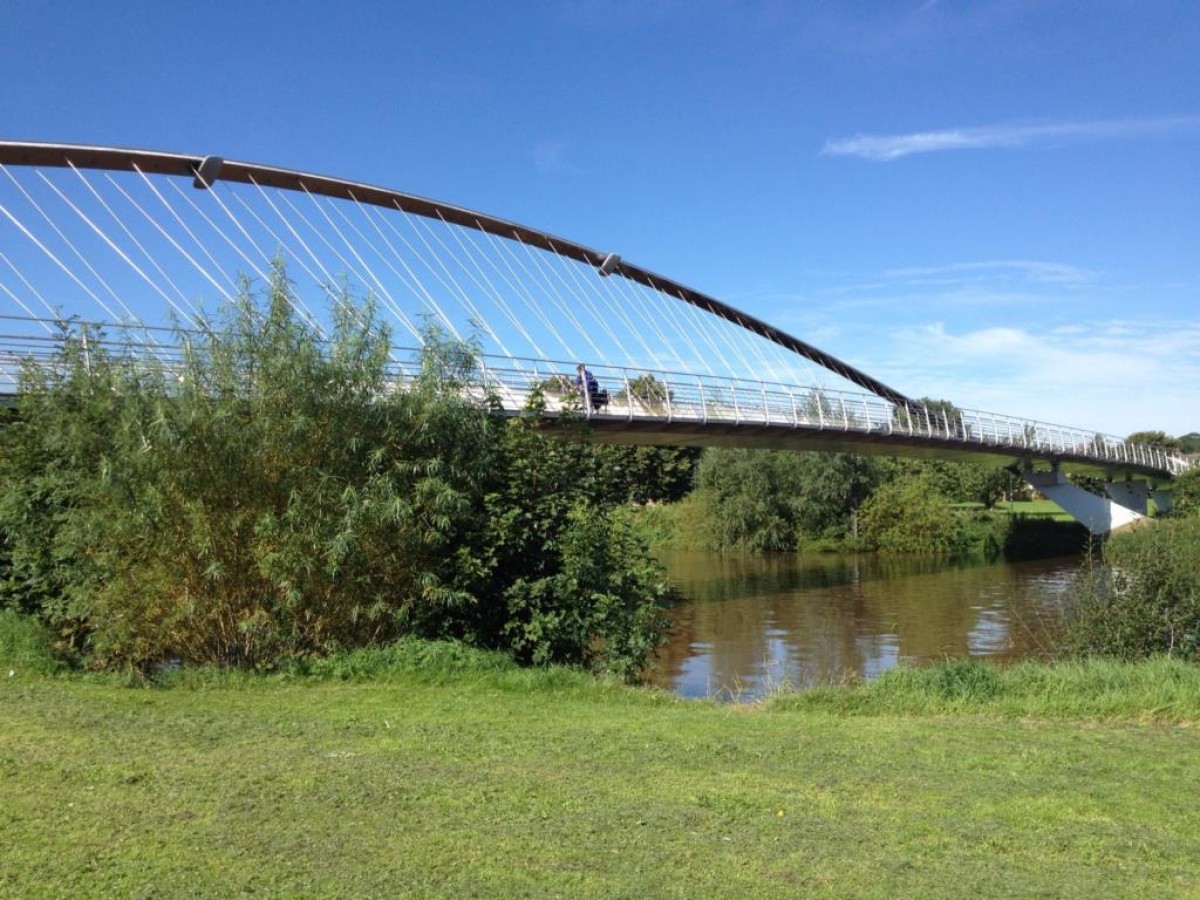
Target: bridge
(131, 239)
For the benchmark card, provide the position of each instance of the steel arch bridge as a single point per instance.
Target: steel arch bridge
(127, 238)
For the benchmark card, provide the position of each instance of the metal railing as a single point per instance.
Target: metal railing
(677, 397)
(642, 395)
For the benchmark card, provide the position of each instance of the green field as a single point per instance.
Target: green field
(508, 783)
(1045, 509)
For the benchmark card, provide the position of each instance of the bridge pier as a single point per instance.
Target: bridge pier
(1099, 515)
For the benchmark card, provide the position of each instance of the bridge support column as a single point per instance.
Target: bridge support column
(1130, 494)
(1099, 515)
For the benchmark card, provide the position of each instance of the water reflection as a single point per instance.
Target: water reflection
(750, 622)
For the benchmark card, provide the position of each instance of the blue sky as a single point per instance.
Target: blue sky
(993, 202)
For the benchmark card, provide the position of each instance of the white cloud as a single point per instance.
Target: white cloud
(884, 148)
(551, 157)
(1116, 377)
(1032, 270)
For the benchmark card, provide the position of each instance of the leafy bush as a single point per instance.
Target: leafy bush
(1144, 599)
(960, 482)
(911, 517)
(1185, 493)
(595, 601)
(273, 498)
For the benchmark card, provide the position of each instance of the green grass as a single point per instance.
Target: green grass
(1159, 690)
(24, 646)
(1046, 509)
(460, 776)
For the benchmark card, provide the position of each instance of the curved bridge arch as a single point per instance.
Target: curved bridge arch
(648, 404)
(206, 170)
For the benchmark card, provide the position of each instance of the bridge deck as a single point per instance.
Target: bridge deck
(671, 409)
(676, 409)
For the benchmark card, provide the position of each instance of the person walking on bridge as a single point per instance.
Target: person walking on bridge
(588, 387)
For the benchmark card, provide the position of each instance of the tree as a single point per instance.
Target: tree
(646, 474)
(646, 391)
(959, 482)
(774, 500)
(940, 415)
(749, 493)
(1158, 438)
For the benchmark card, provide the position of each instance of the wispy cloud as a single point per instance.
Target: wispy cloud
(1024, 269)
(1115, 376)
(551, 158)
(884, 148)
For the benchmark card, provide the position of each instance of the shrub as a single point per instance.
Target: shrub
(1143, 599)
(1185, 493)
(910, 516)
(273, 498)
(596, 602)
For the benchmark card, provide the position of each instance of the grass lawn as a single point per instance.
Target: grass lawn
(545, 785)
(1045, 509)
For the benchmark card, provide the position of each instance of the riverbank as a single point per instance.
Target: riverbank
(1022, 529)
(439, 772)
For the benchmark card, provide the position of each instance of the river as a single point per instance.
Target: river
(750, 623)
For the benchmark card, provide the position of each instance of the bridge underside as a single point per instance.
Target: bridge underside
(622, 431)
(1123, 506)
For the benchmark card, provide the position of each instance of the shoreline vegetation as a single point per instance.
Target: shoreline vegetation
(1156, 689)
(1013, 530)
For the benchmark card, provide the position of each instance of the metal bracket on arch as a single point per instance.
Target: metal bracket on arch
(208, 171)
(608, 265)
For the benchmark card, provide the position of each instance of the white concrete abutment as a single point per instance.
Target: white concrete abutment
(1124, 507)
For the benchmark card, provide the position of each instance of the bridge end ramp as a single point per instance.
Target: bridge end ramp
(1099, 515)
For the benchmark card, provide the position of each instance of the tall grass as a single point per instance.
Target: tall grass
(407, 661)
(25, 646)
(1159, 689)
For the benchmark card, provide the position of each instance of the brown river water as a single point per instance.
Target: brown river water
(749, 623)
